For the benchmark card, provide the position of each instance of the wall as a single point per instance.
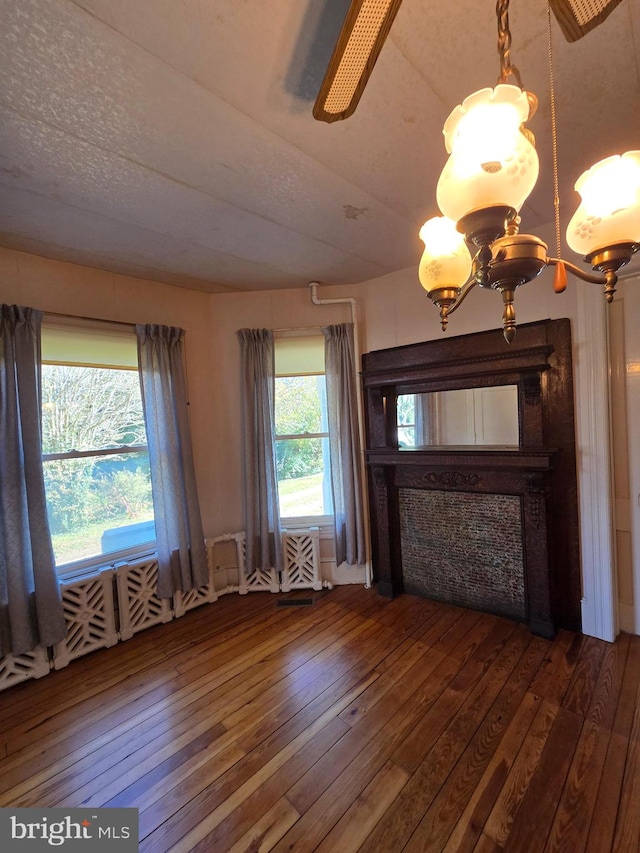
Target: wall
(391, 311)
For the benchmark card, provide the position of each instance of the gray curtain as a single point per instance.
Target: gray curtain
(427, 425)
(262, 513)
(344, 444)
(180, 541)
(30, 602)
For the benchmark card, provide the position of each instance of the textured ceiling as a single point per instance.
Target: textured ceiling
(173, 139)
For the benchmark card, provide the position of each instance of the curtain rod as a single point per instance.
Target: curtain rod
(88, 319)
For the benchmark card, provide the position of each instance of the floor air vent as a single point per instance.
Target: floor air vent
(295, 602)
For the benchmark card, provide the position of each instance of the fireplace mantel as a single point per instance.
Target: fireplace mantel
(539, 474)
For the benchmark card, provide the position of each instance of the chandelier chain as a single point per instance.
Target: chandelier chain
(504, 44)
(554, 136)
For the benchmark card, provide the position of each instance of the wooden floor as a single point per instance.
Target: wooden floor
(356, 723)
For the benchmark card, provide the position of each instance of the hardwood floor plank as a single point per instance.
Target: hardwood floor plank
(486, 845)
(359, 723)
(532, 822)
(468, 828)
(393, 715)
(457, 633)
(266, 740)
(225, 692)
(400, 611)
(229, 831)
(605, 814)
(417, 615)
(500, 820)
(604, 704)
(114, 664)
(275, 734)
(191, 829)
(603, 821)
(389, 676)
(627, 832)
(570, 829)
(401, 825)
(459, 786)
(270, 828)
(363, 814)
(326, 792)
(475, 637)
(423, 736)
(581, 688)
(553, 679)
(431, 632)
(104, 705)
(627, 700)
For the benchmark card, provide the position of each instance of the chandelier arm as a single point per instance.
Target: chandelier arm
(466, 288)
(578, 271)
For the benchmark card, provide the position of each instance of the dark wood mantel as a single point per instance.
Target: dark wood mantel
(541, 471)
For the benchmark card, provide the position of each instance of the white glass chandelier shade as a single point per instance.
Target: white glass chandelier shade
(609, 212)
(491, 160)
(445, 262)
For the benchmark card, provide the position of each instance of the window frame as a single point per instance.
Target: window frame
(91, 565)
(325, 520)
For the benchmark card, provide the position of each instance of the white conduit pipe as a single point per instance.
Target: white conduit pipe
(349, 300)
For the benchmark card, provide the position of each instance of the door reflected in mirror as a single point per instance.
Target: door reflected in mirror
(466, 417)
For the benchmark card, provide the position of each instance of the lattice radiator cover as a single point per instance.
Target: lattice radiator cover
(89, 614)
(183, 601)
(301, 551)
(258, 580)
(138, 604)
(32, 664)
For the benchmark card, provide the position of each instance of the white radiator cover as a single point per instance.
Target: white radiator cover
(90, 617)
(301, 550)
(184, 601)
(138, 604)
(32, 664)
(301, 565)
(258, 580)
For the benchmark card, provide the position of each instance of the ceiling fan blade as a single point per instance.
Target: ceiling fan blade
(578, 17)
(360, 41)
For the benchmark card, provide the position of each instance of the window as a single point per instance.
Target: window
(406, 420)
(302, 438)
(95, 459)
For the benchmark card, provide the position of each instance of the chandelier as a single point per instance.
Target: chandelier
(491, 170)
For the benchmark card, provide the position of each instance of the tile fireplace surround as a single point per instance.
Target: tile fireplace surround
(464, 549)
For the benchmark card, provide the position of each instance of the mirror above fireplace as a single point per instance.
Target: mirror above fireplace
(465, 417)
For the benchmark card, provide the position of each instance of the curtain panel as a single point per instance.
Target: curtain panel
(262, 513)
(182, 556)
(30, 601)
(427, 422)
(344, 444)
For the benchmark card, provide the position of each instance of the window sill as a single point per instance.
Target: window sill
(324, 522)
(94, 565)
